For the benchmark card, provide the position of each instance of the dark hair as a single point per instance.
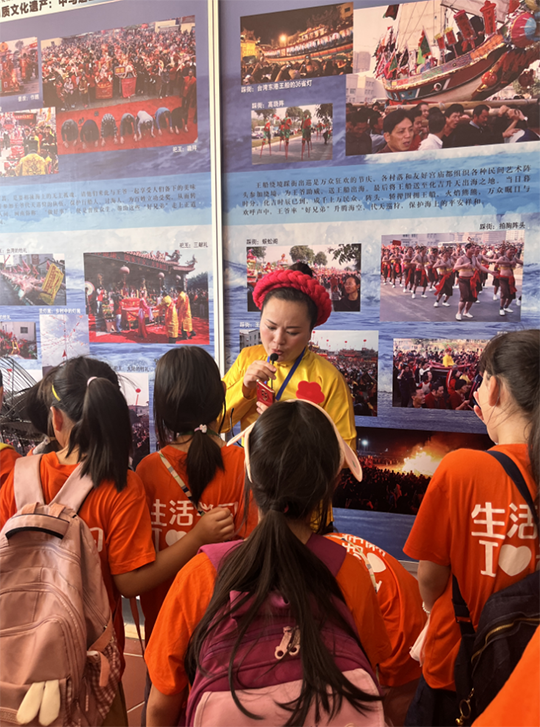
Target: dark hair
(36, 403)
(436, 122)
(415, 112)
(393, 119)
(188, 391)
(101, 423)
(359, 116)
(296, 296)
(295, 460)
(455, 108)
(515, 357)
(478, 109)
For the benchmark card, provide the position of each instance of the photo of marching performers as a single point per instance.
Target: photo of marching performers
(427, 77)
(292, 134)
(337, 269)
(19, 67)
(28, 144)
(135, 389)
(397, 466)
(18, 338)
(355, 354)
(32, 279)
(436, 373)
(297, 44)
(128, 87)
(452, 276)
(147, 297)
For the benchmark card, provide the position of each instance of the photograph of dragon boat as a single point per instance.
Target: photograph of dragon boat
(444, 74)
(32, 279)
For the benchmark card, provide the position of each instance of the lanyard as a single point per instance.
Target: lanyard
(289, 375)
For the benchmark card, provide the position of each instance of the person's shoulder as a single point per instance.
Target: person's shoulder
(251, 353)
(233, 456)
(148, 462)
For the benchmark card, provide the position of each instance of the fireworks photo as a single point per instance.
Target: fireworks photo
(63, 336)
(355, 354)
(397, 466)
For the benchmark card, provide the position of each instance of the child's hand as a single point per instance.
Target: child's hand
(216, 526)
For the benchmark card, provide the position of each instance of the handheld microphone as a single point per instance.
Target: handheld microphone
(273, 357)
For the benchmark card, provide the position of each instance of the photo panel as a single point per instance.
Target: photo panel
(33, 280)
(147, 296)
(397, 467)
(131, 87)
(28, 144)
(19, 72)
(296, 44)
(18, 339)
(291, 134)
(337, 268)
(63, 336)
(135, 388)
(355, 354)
(440, 374)
(427, 78)
(439, 276)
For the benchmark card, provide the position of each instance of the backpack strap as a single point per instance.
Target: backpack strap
(513, 471)
(27, 482)
(331, 553)
(74, 491)
(185, 489)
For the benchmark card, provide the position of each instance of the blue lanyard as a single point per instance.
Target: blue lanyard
(289, 375)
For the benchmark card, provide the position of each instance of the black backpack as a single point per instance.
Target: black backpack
(487, 657)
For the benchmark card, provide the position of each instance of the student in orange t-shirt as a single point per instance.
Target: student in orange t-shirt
(91, 422)
(189, 400)
(8, 457)
(473, 522)
(401, 608)
(293, 456)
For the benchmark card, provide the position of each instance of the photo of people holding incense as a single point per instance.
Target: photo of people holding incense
(337, 269)
(147, 297)
(32, 279)
(452, 276)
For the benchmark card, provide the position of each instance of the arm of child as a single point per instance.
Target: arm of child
(164, 709)
(432, 580)
(216, 526)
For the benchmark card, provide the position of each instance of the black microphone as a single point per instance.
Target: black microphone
(273, 357)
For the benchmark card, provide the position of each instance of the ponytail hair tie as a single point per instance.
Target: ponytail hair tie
(201, 428)
(90, 379)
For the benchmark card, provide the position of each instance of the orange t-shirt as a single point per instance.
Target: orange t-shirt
(8, 457)
(173, 514)
(518, 702)
(118, 521)
(473, 519)
(400, 604)
(190, 595)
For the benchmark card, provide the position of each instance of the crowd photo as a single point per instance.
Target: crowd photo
(146, 297)
(28, 145)
(135, 390)
(19, 67)
(397, 466)
(436, 374)
(32, 279)
(428, 78)
(452, 276)
(292, 134)
(126, 87)
(297, 44)
(337, 269)
(355, 354)
(18, 338)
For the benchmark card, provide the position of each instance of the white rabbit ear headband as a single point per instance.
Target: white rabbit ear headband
(348, 457)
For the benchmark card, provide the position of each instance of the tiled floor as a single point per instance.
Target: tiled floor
(134, 680)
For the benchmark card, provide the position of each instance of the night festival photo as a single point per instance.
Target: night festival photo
(297, 44)
(147, 297)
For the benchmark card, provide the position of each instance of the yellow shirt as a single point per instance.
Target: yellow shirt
(447, 360)
(315, 379)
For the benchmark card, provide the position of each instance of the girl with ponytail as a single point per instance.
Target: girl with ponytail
(192, 470)
(91, 424)
(293, 457)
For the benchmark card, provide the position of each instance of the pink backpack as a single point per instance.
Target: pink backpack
(268, 662)
(60, 661)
